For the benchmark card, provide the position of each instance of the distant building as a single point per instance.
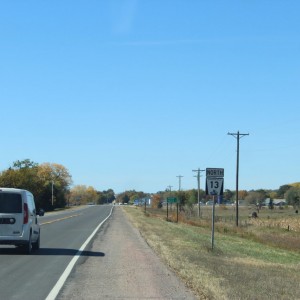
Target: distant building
(142, 201)
(276, 202)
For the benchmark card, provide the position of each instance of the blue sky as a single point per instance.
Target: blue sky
(129, 94)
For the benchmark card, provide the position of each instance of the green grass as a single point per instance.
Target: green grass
(241, 266)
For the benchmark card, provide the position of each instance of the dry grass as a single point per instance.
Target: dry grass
(276, 227)
(243, 265)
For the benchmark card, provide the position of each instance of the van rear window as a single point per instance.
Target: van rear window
(10, 203)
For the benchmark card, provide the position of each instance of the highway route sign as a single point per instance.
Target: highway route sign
(214, 186)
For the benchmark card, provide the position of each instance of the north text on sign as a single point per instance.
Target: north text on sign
(214, 172)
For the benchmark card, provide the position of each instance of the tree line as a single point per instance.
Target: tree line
(51, 183)
(188, 198)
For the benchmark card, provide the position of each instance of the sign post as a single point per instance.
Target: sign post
(171, 200)
(214, 187)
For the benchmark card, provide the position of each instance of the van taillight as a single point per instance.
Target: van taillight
(25, 221)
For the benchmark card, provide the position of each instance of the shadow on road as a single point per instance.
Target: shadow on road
(69, 252)
(52, 251)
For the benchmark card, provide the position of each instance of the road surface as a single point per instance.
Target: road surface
(62, 234)
(116, 263)
(128, 268)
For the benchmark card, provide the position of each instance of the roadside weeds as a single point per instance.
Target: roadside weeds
(237, 268)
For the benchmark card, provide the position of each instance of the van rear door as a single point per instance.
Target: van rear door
(11, 214)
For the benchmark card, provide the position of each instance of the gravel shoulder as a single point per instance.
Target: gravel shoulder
(126, 269)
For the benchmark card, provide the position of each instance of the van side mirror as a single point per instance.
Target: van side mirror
(41, 212)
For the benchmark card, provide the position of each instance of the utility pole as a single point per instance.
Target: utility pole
(52, 193)
(198, 181)
(238, 136)
(170, 188)
(179, 188)
(179, 177)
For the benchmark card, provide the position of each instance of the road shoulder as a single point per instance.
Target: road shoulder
(128, 269)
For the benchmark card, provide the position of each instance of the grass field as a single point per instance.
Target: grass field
(258, 260)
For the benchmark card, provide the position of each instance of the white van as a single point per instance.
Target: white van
(19, 224)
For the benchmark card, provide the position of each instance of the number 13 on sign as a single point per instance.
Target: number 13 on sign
(214, 186)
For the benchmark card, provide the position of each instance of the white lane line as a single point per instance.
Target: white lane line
(59, 284)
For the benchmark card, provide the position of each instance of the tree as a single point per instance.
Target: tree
(255, 197)
(157, 201)
(293, 197)
(102, 198)
(271, 204)
(110, 195)
(106, 196)
(81, 194)
(132, 195)
(37, 179)
(296, 184)
(242, 194)
(273, 195)
(125, 199)
(22, 175)
(56, 175)
(24, 164)
(228, 195)
(192, 196)
(182, 197)
(191, 200)
(92, 196)
(282, 190)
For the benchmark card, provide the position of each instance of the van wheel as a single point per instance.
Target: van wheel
(28, 246)
(36, 245)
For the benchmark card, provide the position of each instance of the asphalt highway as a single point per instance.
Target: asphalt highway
(63, 234)
(127, 269)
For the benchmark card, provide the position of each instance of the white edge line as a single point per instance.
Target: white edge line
(59, 284)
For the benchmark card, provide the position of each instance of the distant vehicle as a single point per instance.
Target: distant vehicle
(18, 219)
